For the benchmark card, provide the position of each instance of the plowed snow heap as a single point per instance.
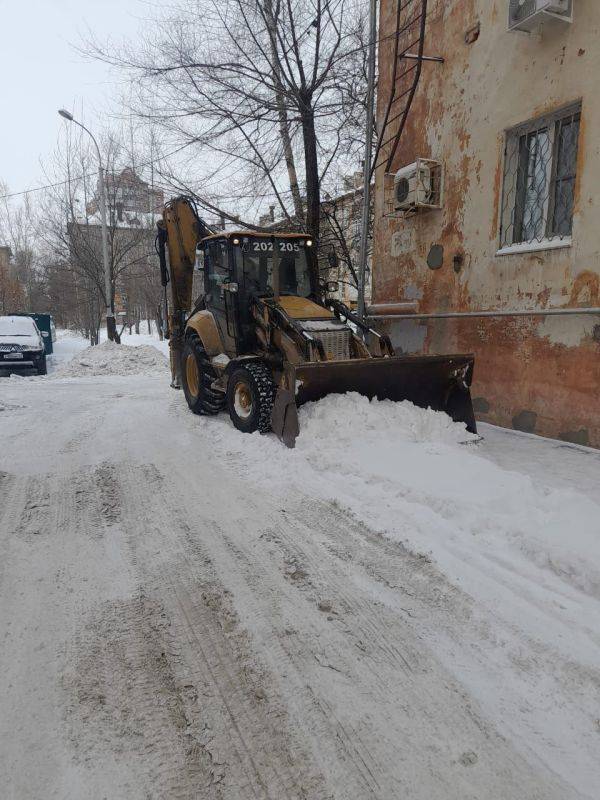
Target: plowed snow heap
(109, 358)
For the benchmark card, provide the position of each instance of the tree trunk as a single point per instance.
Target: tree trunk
(284, 125)
(111, 330)
(158, 318)
(313, 192)
(111, 322)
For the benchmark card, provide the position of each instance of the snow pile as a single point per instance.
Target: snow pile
(109, 358)
(419, 478)
(400, 467)
(67, 345)
(340, 420)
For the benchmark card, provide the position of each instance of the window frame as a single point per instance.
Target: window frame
(211, 286)
(511, 150)
(555, 179)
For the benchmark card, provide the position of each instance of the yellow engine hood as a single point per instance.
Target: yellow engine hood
(303, 308)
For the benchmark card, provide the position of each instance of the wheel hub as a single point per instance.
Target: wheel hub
(192, 375)
(242, 400)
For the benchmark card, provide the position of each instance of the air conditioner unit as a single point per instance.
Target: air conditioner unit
(418, 185)
(527, 15)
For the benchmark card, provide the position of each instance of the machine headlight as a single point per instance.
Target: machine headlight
(308, 242)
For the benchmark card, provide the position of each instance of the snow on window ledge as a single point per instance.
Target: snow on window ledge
(534, 247)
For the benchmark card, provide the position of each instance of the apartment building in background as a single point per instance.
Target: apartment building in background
(131, 200)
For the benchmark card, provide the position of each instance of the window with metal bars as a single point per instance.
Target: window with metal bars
(540, 161)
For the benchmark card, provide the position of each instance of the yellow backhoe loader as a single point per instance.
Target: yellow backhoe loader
(263, 339)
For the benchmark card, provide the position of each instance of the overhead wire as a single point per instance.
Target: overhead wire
(154, 162)
(95, 173)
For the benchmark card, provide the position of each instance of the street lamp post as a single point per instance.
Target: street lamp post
(111, 325)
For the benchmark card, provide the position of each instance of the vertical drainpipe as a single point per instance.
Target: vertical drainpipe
(364, 239)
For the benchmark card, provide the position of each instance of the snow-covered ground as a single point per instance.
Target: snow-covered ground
(519, 537)
(390, 610)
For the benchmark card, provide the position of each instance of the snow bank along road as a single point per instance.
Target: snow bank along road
(186, 612)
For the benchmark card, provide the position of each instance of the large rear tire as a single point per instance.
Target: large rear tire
(197, 375)
(250, 396)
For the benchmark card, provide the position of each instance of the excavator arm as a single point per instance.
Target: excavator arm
(179, 232)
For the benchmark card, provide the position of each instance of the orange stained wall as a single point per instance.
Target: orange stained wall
(539, 374)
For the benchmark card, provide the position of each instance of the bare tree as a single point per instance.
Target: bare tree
(18, 231)
(260, 97)
(69, 227)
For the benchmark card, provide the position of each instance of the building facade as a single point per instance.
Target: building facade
(341, 227)
(12, 296)
(513, 119)
(129, 198)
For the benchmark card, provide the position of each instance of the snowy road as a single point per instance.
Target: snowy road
(174, 626)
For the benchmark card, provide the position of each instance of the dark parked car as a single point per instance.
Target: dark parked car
(21, 345)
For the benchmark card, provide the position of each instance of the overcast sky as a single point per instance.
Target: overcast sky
(41, 72)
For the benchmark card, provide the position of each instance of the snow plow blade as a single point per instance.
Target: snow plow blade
(441, 383)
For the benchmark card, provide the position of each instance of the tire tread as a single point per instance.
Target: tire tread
(210, 401)
(265, 390)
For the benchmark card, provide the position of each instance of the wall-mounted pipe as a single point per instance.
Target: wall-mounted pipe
(548, 312)
(381, 309)
(416, 56)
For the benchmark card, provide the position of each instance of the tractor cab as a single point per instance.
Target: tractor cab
(263, 266)
(239, 267)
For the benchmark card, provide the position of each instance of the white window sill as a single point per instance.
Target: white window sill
(535, 247)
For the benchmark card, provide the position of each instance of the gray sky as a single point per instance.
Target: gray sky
(41, 72)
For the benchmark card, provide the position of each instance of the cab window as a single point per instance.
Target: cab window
(217, 272)
(294, 276)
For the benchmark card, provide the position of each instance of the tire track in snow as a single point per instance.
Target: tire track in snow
(441, 709)
(106, 480)
(127, 715)
(125, 700)
(415, 588)
(89, 423)
(247, 723)
(36, 505)
(362, 752)
(484, 648)
(10, 490)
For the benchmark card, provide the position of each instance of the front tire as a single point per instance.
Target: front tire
(42, 366)
(197, 376)
(250, 396)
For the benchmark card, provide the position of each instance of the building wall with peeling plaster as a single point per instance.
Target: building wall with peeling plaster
(536, 374)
